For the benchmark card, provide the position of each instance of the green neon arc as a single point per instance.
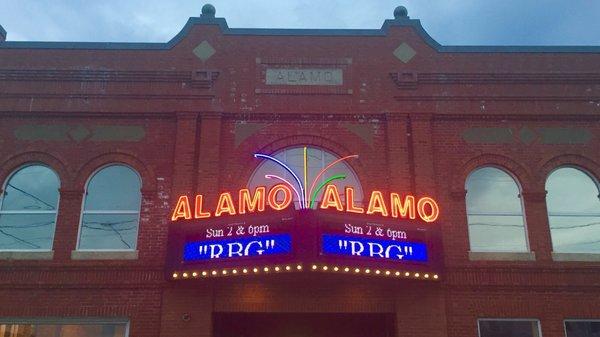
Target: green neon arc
(303, 194)
(327, 181)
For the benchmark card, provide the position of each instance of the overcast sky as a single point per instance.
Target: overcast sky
(450, 22)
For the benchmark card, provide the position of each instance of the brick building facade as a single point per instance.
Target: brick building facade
(187, 115)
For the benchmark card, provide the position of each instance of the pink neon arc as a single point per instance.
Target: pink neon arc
(269, 176)
(312, 186)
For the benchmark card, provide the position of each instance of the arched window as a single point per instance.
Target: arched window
(319, 163)
(495, 212)
(111, 210)
(573, 211)
(28, 211)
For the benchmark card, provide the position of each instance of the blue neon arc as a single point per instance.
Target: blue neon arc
(287, 168)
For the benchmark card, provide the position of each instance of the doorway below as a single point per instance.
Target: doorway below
(302, 325)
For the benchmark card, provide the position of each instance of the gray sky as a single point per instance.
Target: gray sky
(450, 22)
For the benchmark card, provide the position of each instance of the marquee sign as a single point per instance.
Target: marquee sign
(374, 248)
(242, 247)
(279, 197)
(248, 231)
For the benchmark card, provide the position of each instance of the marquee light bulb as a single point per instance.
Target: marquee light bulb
(299, 267)
(255, 270)
(276, 268)
(336, 268)
(175, 275)
(426, 276)
(357, 270)
(204, 273)
(325, 268)
(435, 276)
(234, 271)
(266, 269)
(397, 273)
(387, 272)
(367, 271)
(314, 266)
(194, 274)
(224, 272)
(407, 274)
(185, 275)
(245, 271)
(416, 274)
(214, 272)
(346, 269)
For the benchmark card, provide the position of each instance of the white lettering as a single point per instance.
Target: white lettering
(306, 76)
(388, 252)
(373, 252)
(396, 234)
(237, 252)
(259, 229)
(210, 233)
(356, 248)
(215, 251)
(349, 228)
(259, 249)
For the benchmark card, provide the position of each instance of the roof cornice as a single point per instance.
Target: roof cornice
(415, 24)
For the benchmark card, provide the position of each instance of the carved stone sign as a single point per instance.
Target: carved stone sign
(304, 76)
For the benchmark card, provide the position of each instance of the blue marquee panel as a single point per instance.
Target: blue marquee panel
(388, 250)
(256, 246)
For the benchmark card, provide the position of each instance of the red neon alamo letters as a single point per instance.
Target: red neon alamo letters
(280, 196)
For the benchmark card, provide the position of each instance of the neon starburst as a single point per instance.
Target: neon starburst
(306, 196)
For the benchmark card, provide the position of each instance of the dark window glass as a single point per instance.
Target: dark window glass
(28, 211)
(508, 328)
(582, 328)
(110, 217)
(494, 212)
(573, 211)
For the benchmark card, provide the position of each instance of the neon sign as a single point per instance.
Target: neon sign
(317, 239)
(395, 206)
(281, 195)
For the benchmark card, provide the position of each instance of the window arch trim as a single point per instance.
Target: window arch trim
(519, 173)
(587, 173)
(7, 180)
(514, 179)
(17, 162)
(578, 167)
(561, 239)
(87, 170)
(577, 161)
(520, 214)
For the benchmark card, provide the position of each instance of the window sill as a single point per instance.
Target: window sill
(502, 256)
(27, 255)
(589, 257)
(104, 255)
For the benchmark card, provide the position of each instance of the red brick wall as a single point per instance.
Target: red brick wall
(408, 140)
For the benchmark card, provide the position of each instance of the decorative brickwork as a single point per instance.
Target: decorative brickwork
(418, 127)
